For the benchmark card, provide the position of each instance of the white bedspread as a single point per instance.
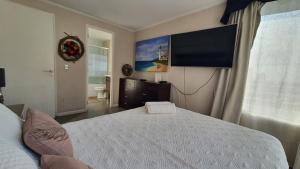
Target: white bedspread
(185, 140)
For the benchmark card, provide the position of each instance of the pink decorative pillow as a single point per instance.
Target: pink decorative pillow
(61, 162)
(44, 135)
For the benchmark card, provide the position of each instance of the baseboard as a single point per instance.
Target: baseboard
(115, 105)
(71, 112)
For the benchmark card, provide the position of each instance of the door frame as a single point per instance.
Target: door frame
(55, 74)
(112, 61)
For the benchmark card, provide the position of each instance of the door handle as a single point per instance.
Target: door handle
(48, 71)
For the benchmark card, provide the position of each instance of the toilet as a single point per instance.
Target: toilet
(100, 90)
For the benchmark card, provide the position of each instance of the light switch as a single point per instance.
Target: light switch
(67, 67)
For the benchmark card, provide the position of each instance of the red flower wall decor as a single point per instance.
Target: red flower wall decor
(70, 48)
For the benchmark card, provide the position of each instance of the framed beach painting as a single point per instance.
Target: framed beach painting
(152, 55)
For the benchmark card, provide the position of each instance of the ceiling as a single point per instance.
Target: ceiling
(137, 14)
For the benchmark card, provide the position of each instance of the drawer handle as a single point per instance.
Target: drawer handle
(126, 96)
(125, 103)
(144, 94)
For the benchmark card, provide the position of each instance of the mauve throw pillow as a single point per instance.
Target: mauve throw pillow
(61, 162)
(44, 135)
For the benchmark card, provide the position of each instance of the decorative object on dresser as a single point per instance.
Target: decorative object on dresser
(135, 92)
(127, 70)
(2, 83)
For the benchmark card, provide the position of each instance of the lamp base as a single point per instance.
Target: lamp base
(1, 97)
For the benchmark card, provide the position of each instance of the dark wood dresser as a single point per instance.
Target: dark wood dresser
(134, 92)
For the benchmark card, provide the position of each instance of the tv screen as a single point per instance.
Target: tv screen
(207, 48)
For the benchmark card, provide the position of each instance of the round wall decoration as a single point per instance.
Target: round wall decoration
(70, 48)
(127, 70)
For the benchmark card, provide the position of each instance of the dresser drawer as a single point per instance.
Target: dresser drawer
(129, 85)
(134, 92)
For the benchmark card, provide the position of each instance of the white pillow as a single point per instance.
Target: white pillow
(14, 157)
(10, 126)
(11, 135)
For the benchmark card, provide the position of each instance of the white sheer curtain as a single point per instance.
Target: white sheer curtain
(272, 94)
(227, 103)
(273, 82)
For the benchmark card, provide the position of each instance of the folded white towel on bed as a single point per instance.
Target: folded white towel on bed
(160, 107)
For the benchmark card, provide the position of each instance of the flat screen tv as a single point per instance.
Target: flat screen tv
(207, 48)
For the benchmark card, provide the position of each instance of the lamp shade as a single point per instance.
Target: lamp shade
(2, 77)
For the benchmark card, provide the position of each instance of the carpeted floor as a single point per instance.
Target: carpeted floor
(95, 108)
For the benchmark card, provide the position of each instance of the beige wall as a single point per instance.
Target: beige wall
(195, 77)
(71, 84)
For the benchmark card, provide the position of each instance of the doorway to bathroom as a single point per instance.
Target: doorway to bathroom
(99, 53)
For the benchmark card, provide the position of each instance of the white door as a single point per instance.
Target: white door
(27, 54)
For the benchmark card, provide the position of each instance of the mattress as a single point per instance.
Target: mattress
(184, 140)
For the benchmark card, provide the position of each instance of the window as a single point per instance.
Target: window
(273, 82)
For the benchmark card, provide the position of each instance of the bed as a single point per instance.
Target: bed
(184, 140)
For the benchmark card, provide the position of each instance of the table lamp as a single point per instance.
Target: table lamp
(2, 83)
